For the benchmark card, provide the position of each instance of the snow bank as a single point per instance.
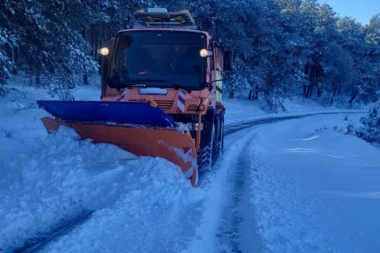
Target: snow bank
(63, 178)
(20, 116)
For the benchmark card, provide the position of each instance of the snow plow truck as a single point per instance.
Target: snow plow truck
(161, 93)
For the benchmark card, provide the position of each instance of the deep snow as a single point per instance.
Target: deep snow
(308, 187)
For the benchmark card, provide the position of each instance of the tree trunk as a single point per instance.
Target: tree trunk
(309, 90)
(335, 92)
(13, 53)
(38, 78)
(315, 72)
(319, 92)
(305, 90)
(354, 94)
(232, 93)
(85, 77)
(93, 43)
(256, 93)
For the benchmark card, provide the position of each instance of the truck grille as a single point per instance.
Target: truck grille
(163, 104)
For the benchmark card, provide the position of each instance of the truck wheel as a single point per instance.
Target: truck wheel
(219, 138)
(205, 155)
(219, 145)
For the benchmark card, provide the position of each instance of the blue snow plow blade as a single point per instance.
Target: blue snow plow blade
(136, 113)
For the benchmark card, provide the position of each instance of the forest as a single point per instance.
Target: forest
(281, 48)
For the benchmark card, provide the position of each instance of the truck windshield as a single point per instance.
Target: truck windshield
(159, 58)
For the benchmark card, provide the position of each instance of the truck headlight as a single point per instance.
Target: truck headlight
(204, 53)
(103, 51)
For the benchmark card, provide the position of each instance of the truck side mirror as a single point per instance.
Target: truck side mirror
(227, 61)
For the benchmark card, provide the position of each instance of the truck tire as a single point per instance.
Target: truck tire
(219, 139)
(205, 155)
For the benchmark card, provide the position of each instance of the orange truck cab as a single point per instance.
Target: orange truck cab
(166, 59)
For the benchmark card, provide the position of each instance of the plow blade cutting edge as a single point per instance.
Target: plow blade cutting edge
(137, 127)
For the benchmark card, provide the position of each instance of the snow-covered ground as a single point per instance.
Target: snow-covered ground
(303, 185)
(314, 188)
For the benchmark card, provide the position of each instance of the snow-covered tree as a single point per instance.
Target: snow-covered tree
(6, 64)
(48, 35)
(370, 131)
(373, 30)
(281, 47)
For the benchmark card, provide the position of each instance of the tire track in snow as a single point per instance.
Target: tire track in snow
(38, 243)
(217, 184)
(238, 223)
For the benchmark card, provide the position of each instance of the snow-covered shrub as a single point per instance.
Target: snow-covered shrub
(350, 129)
(370, 131)
(58, 87)
(272, 102)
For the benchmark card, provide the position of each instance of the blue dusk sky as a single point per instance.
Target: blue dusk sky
(361, 10)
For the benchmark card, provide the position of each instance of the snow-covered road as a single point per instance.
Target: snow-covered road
(303, 185)
(316, 189)
(300, 185)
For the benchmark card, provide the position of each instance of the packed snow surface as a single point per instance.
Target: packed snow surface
(300, 185)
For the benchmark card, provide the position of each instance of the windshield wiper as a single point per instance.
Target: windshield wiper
(173, 84)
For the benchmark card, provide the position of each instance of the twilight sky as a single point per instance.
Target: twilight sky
(361, 10)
